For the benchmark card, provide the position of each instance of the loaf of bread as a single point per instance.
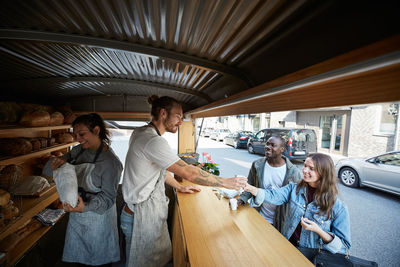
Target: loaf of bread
(35, 119)
(15, 146)
(9, 112)
(51, 141)
(4, 197)
(36, 144)
(69, 115)
(43, 142)
(62, 138)
(56, 118)
(10, 176)
(57, 153)
(13, 239)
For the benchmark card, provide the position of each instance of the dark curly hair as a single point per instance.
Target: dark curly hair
(92, 120)
(157, 103)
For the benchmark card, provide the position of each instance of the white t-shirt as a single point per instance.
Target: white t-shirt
(273, 178)
(148, 155)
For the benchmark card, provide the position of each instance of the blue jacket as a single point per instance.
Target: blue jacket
(256, 178)
(338, 226)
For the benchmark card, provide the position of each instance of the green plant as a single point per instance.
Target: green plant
(208, 164)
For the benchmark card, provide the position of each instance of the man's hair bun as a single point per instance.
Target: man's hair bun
(152, 99)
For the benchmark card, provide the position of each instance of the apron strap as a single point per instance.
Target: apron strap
(155, 127)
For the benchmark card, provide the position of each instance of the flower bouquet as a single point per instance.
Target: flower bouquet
(208, 164)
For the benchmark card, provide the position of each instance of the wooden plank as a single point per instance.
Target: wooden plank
(26, 244)
(22, 158)
(217, 236)
(373, 86)
(372, 51)
(20, 131)
(30, 207)
(186, 137)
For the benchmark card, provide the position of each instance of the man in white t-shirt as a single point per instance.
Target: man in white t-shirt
(148, 163)
(272, 171)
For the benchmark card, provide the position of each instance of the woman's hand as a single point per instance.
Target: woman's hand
(252, 189)
(190, 189)
(56, 162)
(78, 208)
(312, 226)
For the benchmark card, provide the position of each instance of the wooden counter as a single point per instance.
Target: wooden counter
(207, 233)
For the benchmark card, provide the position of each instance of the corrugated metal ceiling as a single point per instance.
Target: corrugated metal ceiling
(197, 51)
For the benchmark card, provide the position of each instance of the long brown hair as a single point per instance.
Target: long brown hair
(326, 191)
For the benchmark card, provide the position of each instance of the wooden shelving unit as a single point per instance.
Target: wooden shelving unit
(30, 205)
(29, 241)
(18, 130)
(22, 158)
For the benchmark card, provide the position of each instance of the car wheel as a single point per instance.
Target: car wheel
(349, 177)
(236, 145)
(250, 149)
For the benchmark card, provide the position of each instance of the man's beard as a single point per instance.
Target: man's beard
(169, 127)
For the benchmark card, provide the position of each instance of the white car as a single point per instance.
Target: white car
(381, 172)
(219, 134)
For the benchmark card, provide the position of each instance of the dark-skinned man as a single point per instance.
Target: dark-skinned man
(272, 171)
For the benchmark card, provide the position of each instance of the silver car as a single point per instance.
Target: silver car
(381, 172)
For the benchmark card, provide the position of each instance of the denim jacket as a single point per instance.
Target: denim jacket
(256, 178)
(338, 226)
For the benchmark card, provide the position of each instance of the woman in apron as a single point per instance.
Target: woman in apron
(92, 233)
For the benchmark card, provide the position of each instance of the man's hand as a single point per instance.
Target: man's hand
(189, 189)
(249, 188)
(78, 208)
(235, 183)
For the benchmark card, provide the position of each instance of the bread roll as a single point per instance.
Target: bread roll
(15, 146)
(63, 138)
(4, 197)
(35, 119)
(10, 211)
(56, 118)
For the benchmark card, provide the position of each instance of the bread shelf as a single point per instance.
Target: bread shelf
(30, 207)
(22, 158)
(18, 130)
(15, 254)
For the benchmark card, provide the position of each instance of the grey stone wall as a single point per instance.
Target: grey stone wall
(364, 139)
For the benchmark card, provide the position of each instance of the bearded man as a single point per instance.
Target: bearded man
(148, 163)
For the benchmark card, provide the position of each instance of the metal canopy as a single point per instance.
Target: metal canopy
(207, 54)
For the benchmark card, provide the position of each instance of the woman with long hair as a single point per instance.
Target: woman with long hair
(316, 217)
(92, 231)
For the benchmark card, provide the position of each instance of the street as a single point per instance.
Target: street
(374, 215)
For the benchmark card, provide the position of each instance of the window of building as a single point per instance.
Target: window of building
(387, 118)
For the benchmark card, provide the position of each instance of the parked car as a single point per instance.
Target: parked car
(381, 172)
(299, 142)
(238, 139)
(219, 134)
(206, 132)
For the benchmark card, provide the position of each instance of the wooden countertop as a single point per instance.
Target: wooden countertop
(217, 236)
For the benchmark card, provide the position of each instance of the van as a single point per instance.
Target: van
(299, 142)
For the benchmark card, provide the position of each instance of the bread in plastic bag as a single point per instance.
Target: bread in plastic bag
(67, 184)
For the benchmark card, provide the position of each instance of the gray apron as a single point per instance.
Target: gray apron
(151, 245)
(91, 238)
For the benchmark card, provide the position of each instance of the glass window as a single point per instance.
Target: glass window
(389, 159)
(387, 123)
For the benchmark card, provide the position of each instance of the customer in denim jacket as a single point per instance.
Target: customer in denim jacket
(316, 216)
